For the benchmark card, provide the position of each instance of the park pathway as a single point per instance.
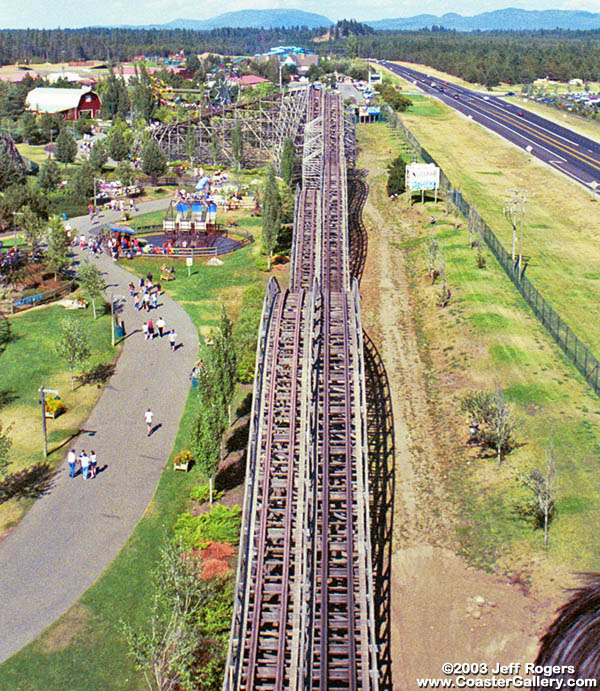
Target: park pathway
(69, 537)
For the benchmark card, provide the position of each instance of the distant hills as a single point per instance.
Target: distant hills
(253, 19)
(509, 19)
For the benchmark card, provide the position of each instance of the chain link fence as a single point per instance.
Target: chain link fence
(560, 331)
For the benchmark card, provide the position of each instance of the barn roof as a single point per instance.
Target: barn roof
(54, 100)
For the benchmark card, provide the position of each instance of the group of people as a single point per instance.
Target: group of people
(150, 330)
(147, 296)
(88, 463)
(93, 244)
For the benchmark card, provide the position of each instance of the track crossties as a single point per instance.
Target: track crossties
(303, 616)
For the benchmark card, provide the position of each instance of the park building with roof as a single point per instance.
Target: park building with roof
(70, 103)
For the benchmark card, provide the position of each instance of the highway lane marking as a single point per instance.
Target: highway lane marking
(584, 158)
(554, 163)
(504, 108)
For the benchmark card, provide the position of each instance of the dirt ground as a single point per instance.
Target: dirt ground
(442, 609)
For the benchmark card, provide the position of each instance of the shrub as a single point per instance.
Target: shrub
(201, 494)
(220, 524)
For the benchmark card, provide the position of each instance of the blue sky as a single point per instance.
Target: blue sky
(75, 13)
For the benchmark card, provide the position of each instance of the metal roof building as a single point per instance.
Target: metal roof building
(72, 103)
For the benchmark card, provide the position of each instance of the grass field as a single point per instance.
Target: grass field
(486, 338)
(29, 362)
(83, 649)
(561, 227)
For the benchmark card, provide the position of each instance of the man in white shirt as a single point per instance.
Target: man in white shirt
(84, 459)
(148, 415)
(72, 461)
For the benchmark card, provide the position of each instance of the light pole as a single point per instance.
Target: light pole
(112, 316)
(43, 392)
(95, 193)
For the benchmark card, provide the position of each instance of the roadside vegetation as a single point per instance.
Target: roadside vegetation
(560, 227)
(486, 340)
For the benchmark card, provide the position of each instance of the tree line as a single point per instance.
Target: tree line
(484, 57)
(492, 57)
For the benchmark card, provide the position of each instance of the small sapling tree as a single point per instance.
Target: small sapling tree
(541, 484)
(92, 283)
(433, 251)
(72, 346)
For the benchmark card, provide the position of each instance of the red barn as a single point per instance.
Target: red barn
(71, 103)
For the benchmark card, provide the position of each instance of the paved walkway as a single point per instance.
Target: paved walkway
(70, 536)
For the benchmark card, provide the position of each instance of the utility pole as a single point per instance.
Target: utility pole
(15, 214)
(43, 392)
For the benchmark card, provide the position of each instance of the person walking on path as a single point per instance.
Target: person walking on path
(160, 325)
(154, 301)
(93, 464)
(148, 415)
(146, 301)
(131, 289)
(136, 302)
(72, 461)
(151, 330)
(172, 339)
(145, 330)
(84, 459)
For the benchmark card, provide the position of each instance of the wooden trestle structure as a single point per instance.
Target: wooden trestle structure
(304, 615)
(264, 125)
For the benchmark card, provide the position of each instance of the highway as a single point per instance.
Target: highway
(570, 153)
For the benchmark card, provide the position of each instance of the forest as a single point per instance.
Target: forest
(483, 57)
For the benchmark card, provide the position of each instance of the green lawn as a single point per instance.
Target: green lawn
(208, 287)
(83, 649)
(28, 362)
(152, 218)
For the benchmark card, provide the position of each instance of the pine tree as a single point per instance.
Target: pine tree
(98, 156)
(66, 148)
(154, 162)
(49, 175)
(31, 133)
(117, 146)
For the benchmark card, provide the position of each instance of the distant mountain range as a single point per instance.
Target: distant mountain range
(252, 19)
(509, 19)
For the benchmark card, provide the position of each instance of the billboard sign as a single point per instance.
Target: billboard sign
(422, 176)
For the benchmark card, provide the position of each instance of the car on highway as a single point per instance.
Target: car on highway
(520, 113)
(456, 96)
